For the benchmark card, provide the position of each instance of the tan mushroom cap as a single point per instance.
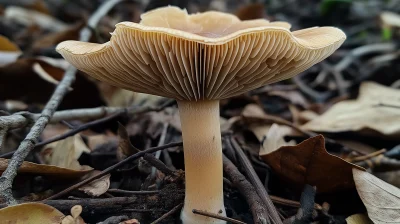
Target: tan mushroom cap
(202, 56)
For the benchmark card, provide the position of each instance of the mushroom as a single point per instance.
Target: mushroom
(199, 59)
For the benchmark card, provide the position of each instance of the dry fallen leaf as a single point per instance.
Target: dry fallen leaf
(29, 17)
(274, 139)
(381, 199)
(9, 52)
(251, 11)
(375, 110)
(66, 152)
(32, 213)
(98, 186)
(75, 217)
(48, 170)
(358, 219)
(310, 163)
(131, 221)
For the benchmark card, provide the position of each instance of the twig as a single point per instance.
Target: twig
(71, 132)
(291, 203)
(247, 190)
(365, 157)
(172, 211)
(117, 112)
(255, 180)
(160, 142)
(119, 191)
(91, 206)
(215, 216)
(29, 142)
(158, 164)
(3, 134)
(113, 167)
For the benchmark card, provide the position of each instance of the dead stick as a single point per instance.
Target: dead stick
(215, 216)
(255, 180)
(29, 142)
(247, 190)
(89, 205)
(158, 164)
(70, 133)
(119, 191)
(172, 211)
(113, 167)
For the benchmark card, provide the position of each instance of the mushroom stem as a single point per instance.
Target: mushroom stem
(203, 160)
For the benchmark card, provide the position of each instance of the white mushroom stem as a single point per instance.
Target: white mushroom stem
(203, 160)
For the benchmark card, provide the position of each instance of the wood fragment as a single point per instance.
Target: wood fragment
(172, 211)
(247, 190)
(255, 180)
(215, 216)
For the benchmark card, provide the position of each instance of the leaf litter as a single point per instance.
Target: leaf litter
(276, 126)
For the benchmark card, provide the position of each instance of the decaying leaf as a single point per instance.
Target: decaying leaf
(251, 11)
(29, 17)
(67, 152)
(75, 217)
(21, 75)
(381, 199)
(310, 163)
(32, 213)
(48, 170)
(98, 186)
(125, 147)
(274, 139)
(375, 110)
(9, 52)
(358, 219)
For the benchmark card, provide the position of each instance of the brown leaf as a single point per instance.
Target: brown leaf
(125, 147)
(9, 51)
(20, 75)
(48, 170)
(310, 163)
(52, 39)
(251, 11)
(381, 199)
(358, 219)
(375, 111)
(274, 138)
(32, 213)
(98, 186)
(66, 152)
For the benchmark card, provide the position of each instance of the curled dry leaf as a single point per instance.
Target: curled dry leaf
(47, 170)
(381, 199)
(375, 110)
(32, 213)
(67, 152)
(98, 186)
(74, 218)
(274, 139)
(29, 17)
(9, 52)
(310, 163)
(358, 219)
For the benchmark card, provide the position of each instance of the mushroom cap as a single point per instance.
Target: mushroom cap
(203, 56)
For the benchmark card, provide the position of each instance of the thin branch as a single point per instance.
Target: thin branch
(91, 205)
(172, 211)
(113, 167)
(260, 215)
(3, 134)
(119, 191)
(255, 180)
(29, 142)
(215, 216)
